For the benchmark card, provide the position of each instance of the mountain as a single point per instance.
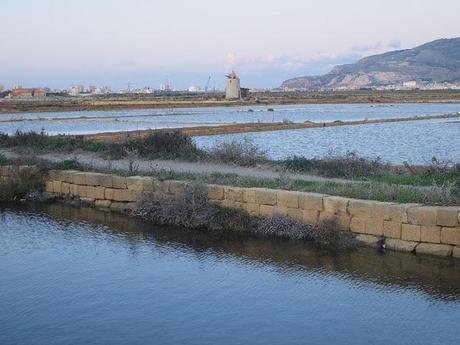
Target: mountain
(437, 61)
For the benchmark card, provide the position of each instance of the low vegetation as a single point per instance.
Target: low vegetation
(244, 153)
(23, 185)
(192, 209)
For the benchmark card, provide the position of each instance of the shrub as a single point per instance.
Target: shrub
(20, 186)
(347, 166)
(244, 153)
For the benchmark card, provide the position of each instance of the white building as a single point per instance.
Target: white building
(195, 88)
(233, 90)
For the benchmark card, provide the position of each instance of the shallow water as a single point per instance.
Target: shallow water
(79, 276)
(416, 142)
(124, 120)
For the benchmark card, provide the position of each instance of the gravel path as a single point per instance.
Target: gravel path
(177, 166)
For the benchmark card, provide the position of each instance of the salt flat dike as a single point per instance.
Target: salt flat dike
(258, 127)
(187, 100)
(416, 228)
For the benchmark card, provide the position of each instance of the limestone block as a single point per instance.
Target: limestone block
(310, 216)
(81, 191)
(447, 216)
(95, 192)
(97, 179)
(424, 215)
(265, 197)
(119, 182)
(410, 232)
(252, 208)
(311, 201)
(342, 221)
(102, 204)
(215, 192)
(281, 210)
(234, 193)
(295, 213)
(67, 175)
(65, 188)
(266, 210)
(57, 186)
(141, 183)
(434, 249)
(177, 187)
(374, 226)
(400, 245)
(228, 203)
(450, 236)
(358, 225)
(335, 205)
(79, 178)
(113, 194)
(382, 210)
(392, 229)
(360, 208)
(249, 195)
(287, 199)
(161, 186)
(55, 175)
(368, 240)
(397, 212)
(456, 252)
(73, 189)
(431, 234)
(49, 186)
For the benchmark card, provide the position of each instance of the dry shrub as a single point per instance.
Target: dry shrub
(21, 186)
(245, 152)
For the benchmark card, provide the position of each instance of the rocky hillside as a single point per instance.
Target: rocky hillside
(437, 61)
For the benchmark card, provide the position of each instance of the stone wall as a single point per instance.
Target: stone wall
(406, 227)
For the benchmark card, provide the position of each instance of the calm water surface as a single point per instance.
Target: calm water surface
(124, 120)
(78, 276)
(415, 141)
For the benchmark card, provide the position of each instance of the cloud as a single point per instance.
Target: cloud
(375, 47)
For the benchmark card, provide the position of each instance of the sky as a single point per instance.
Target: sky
(57, 43)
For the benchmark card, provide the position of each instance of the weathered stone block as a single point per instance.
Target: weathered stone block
(215, 192)
(266, 210)
(450, 236)
(341, 221)
(295, 213)
(79, 178)
(368, 240)
(360, 208)
(140, 183)
(249, 195)
(266, 197)
(81, 191)
(335, 205)
(392, 229)
(400, 245)
(73, 189)
(252, 208)
(57, 186)
(49, 186)
(97, 179)
(431, 234)
(113, 194)
(398, 212)
(65, 188)
(447, 216)
(288, 199)
(424, 215)
(410, 232)
(310, 216)
(95, 192)
(311, 201)
(161, 186)
(228, 203)
(119, 182)
(456, 252)
(281, 210)
(434, 249)
(67, 175)
(358, 225)
(55, 175)
(374, 226)
(104, 204)
(381, 210)
(234, 193)
(177, 187)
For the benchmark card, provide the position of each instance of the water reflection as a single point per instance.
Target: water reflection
(438, 278)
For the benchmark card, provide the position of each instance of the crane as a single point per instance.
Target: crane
(207, 85)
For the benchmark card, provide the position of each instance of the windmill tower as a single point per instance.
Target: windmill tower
(233, 90)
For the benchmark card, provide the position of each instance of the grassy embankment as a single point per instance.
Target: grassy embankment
(437, 183)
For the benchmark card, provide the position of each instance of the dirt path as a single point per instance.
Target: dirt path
(93, 160)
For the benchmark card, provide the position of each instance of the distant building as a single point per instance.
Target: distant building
(233, 90)
(195, 88)
(20, 92)
(76, 89)
(165, 87)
